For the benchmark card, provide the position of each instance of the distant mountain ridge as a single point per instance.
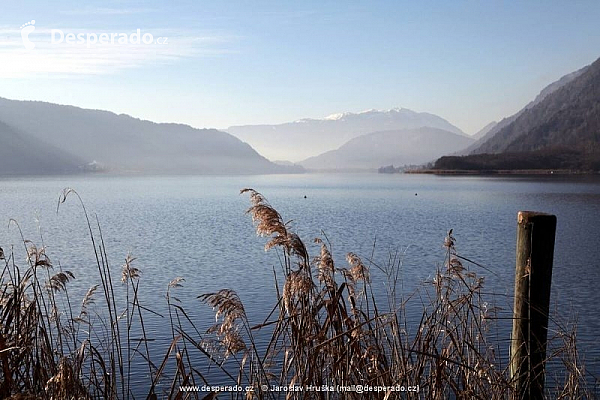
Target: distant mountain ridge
(561, 130)
(308, 137)
(568, 116)
(397, 147)
(489, 133)
(21, 154)
(483, 131)
(126, 144)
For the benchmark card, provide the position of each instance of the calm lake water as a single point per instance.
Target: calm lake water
(195, 228)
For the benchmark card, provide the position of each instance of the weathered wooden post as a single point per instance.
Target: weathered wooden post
(533, 278)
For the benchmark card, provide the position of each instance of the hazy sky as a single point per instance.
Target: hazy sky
(249, 62)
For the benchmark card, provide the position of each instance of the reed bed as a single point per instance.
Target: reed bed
(329, 333)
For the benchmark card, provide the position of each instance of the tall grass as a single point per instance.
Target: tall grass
(328, 329)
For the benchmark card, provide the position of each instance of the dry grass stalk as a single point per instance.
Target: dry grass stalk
(327, 329)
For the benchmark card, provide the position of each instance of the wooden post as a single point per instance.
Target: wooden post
(533, 278)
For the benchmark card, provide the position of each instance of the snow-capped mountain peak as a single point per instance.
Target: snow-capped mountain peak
(307, 137)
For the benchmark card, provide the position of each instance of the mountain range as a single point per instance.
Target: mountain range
(306, 138)
(484, 131)
(560, 129)
(23, 154)
(393, 147)
(39, 137)
(493, 128)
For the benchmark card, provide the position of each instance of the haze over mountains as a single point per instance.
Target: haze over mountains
(22, 154)
(493, 128)
(296, 141)
(31, 133)
(45, 138)
(561, 117)
(560, 129)
(483, 131)
(394, 147)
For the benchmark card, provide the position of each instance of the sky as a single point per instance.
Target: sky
(218, 64)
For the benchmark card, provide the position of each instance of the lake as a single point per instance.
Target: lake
(195, 227)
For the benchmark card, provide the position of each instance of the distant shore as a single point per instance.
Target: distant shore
(500, 172)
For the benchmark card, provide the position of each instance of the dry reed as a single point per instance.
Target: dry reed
(326, 330)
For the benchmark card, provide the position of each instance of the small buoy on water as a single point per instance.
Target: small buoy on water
(415, 194)
(304, 196)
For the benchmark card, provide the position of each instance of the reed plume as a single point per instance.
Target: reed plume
(327, 328)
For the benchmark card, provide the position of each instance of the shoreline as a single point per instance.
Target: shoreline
(500, 172)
